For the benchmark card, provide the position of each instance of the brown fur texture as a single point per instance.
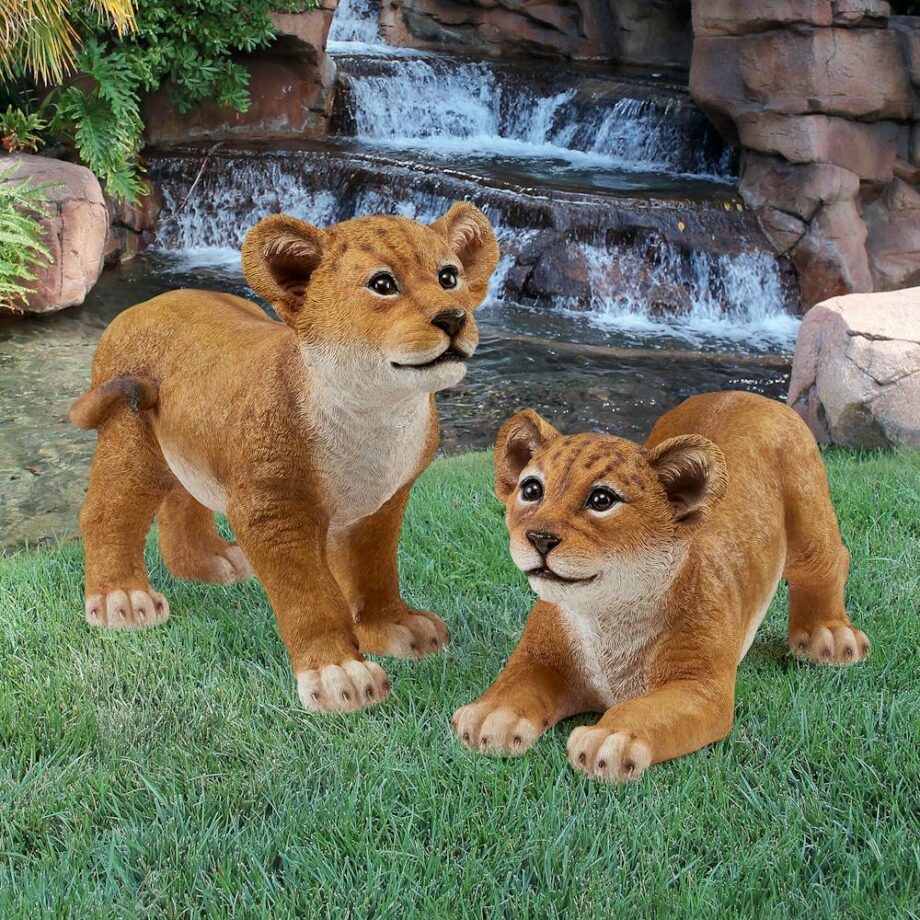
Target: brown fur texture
(307, 434)
(665, 585)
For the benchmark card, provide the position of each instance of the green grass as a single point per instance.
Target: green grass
(173, 773)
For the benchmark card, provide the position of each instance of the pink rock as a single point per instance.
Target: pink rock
(731, 17)
(855, 73)
(893, 244)
(867, 149)
(797, 189)
(831, 257)
(75, 231)
(628, 31)
(861, 12)
(856, 370)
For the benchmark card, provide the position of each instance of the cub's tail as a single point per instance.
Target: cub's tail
(134, 393)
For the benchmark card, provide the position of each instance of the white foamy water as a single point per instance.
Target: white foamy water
(644, 290)
(695, 296)
(355, 23)
(448, 106)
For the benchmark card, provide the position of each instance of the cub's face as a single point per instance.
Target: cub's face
(386, 299)
(592, 515)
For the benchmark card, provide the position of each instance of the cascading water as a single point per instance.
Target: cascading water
(612, 196)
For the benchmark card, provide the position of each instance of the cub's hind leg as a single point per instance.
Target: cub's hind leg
(127, 481)
(191, 545)
(817, 565)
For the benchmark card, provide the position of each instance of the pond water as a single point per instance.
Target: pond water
(578, 375)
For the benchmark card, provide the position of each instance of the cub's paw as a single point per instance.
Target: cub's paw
(229, 566)
(611, 756)
(491, 728)
(834, 643)
(129, 609)
(217, 565)
(346, 687)
(402, 634)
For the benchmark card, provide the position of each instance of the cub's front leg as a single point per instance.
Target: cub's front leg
(675, 719)
(284, 539)
(364, 561)
(537, 688)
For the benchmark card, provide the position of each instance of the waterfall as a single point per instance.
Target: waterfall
(450, 107)
(642, 284)
(355, 22)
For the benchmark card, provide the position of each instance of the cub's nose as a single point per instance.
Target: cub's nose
(543, 542)
(450, 321)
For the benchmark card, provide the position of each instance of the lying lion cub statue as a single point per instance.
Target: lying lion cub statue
(654, 567)
(307, 434)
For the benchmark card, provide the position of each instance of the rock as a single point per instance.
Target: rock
(797, 189)
(914, 144)
(893, 243)
(831, 257)
(867, 149)
(781, 229)
(908, 30)
(75, 232)
(856, 370)
(731, 17)
(855, 73)
(629, 31)
(861, 12)
(290, 88)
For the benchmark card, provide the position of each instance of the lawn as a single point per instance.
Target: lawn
(173, 773)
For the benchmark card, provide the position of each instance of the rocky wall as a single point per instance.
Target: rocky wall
(822, 97)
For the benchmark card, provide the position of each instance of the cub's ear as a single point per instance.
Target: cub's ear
(519, 439)
(279, 255)
(470, 235)
(692, 471)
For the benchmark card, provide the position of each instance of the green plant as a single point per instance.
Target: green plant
(21, 131)
(120, 49)
(39, 39)
(101, 113)
(192, 42)
(22, 205)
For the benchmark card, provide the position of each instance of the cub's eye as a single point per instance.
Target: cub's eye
(531, 490)
(383, 283)
(448, 277)
(602, 500)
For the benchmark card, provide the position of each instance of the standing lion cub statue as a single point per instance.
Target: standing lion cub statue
(307, 434)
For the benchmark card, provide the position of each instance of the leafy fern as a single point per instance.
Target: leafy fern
(22, 206)
(105, 120)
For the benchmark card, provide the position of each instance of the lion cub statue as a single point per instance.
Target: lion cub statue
(654, 567)
(307, 434)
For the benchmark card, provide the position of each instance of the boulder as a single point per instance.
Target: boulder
(75, 231)
(856, 370)
(290, 89)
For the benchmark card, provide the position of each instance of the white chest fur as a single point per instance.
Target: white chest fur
(611, 650)
(613, 626)
(367, 445)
